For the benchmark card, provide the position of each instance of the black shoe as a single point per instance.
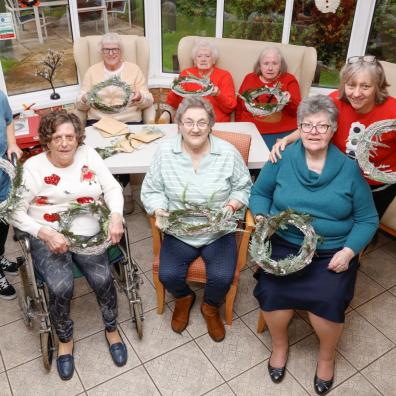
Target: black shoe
(7, 291)
(322, 386)
(276, 373)
(118, 352)
(65, 366)
(8, 267)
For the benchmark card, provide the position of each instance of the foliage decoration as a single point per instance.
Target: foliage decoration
(205, 83)
(9, 205)
(260, 109)
(111, 95)
(260, 248)
(94, 245)
(367, 147)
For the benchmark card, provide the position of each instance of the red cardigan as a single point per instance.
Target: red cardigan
(283, 121)
(223, 104)
(351, 123)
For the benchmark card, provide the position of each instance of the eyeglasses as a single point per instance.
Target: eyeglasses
(108, 51)
(59, 139)
(192, 124)
(306, 127)
(365, 58)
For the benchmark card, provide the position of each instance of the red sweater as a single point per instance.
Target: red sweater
(283, 121)
(351, 123)
(223, 104)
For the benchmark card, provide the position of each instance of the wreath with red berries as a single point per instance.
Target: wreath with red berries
(206, 86)
(94, 245)
(14, 197)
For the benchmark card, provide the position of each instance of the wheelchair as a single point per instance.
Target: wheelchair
(33, 295)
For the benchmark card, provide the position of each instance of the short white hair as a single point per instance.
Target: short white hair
(111, 38)
(206, 44)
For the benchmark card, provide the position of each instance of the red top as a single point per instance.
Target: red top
(282, 121)
(351, 123)
(223, 104)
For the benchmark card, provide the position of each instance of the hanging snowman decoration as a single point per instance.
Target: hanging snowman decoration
(326, 6)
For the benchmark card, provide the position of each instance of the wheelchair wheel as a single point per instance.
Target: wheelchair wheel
(26, 307)
(47, 348)
(137, 318)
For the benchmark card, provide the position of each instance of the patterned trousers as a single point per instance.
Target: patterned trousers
(220, 259)
(57, 272)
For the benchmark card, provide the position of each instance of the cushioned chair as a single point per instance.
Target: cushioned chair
(388, 220)
(136, 50)
(197, 272)
(238, 57)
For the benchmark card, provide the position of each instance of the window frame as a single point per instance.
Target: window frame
(357, 45)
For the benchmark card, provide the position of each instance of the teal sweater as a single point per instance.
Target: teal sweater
(338, 199)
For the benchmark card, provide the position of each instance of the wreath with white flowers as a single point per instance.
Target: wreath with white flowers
(14, 197)
(259, 109)
(366, 147)
(206, 86)
(94, 245)
(110, 96)
(260, 248)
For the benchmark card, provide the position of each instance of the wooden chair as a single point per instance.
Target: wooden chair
(197, 272)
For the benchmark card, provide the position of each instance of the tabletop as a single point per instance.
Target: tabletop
(139, 160)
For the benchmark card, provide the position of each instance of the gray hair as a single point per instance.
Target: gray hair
(265, 51)
(111, 38)
(206, 44)
(318, 104)
(377, 73)
(195, 102)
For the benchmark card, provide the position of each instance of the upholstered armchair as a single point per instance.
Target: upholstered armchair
(136, 50)
(238, 57)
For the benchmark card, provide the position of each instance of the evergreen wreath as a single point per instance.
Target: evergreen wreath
(8, 206)
(197, 219)
(260, 248)
(259, 109)
(367, 147)
(205, 83)
(94, 245)
(95, 99)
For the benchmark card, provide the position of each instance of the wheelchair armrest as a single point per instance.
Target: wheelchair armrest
(23, 238)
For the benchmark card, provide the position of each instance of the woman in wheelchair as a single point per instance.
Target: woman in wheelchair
(69, 171)
(200, 168)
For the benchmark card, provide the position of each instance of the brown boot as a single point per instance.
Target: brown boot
(213, 321)
(181, 313)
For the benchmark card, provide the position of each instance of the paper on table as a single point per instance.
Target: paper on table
(110, 127)
(148, 134)
(125, 146)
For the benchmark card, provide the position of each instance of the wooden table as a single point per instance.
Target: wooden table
(139, 160)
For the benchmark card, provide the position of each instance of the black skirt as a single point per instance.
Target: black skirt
(315, 288)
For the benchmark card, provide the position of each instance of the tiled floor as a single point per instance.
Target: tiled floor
(165, 363)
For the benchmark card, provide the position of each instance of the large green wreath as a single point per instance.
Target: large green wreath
(197, 219)
(96, 101)
(94, 245)
(260, 248)
(205, 90)
(366, 147)
(8, 206)
(259, 109)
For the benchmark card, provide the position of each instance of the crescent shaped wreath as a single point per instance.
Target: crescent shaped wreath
(366, 148)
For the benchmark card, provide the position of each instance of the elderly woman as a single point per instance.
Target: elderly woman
(223, 100)
(7, 147)
(315, 178)
(361, 100)
(111, 48)
(271, 70)
(69, 171)
(200, 168)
